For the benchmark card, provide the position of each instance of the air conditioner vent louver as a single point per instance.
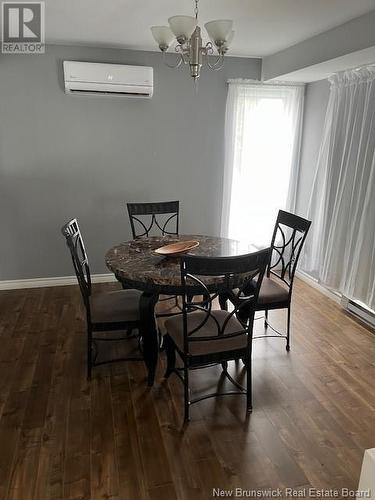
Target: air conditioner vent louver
(101, 92)
(103, 79)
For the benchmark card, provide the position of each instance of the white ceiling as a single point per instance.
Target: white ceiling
(325, 69)
(262, 27)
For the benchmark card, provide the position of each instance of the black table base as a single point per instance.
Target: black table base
(149, 333)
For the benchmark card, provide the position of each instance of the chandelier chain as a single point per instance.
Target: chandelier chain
(196, 9)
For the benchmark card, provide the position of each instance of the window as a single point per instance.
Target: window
(262, 149)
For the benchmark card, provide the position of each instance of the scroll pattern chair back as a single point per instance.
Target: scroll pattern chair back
(105, 311)
(276, 291)
(287, 241)
(237, 273)
(205, 335)
(162, 217)
(76, 246)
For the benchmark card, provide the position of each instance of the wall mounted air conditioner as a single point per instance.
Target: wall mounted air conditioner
(108, 79)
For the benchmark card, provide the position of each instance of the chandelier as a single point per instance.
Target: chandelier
(190, 48)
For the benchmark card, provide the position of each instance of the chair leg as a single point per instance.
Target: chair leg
(89, 352)
(186, 393)
(140, 343)
(161, 340)
(249, 390)
(223, 302)
(171, 355)
(207, 299)
(266, 318)
(288, 331)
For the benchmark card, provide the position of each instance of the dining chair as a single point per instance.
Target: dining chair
(105, 311)
(202, 335)
(160, 216)
(288, 237)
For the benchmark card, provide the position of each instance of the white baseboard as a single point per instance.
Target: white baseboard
(325, 291)
(58, 281)
(107, 278)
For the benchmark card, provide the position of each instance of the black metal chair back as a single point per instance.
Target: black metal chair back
(236, 273)
(161, 216)
(287, 241)
(74, 241)
(76, 246)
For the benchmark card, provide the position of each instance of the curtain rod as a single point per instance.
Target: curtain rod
(355, 68)
(280, 83)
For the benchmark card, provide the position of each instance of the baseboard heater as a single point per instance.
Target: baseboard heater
(361, 311)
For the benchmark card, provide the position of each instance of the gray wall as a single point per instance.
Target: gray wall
(316, 100)
(63, 156)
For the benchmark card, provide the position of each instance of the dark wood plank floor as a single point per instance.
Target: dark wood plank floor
(64, 438)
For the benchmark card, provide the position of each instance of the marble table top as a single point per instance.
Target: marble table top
(135, 264)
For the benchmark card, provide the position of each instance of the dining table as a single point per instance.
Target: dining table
(136, 265)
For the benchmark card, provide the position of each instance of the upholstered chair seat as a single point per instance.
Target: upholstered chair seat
(175, 329)
(115, 307)
(272, 292)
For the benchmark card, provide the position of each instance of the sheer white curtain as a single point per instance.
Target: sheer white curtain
(262, 144)
(340, 251)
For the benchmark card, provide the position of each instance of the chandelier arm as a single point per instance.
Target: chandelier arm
(184, 51)
(185, 58)
(218, 64)
(208, 51)
(180, 60)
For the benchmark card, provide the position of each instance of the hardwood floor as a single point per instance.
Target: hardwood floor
(113, 438)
